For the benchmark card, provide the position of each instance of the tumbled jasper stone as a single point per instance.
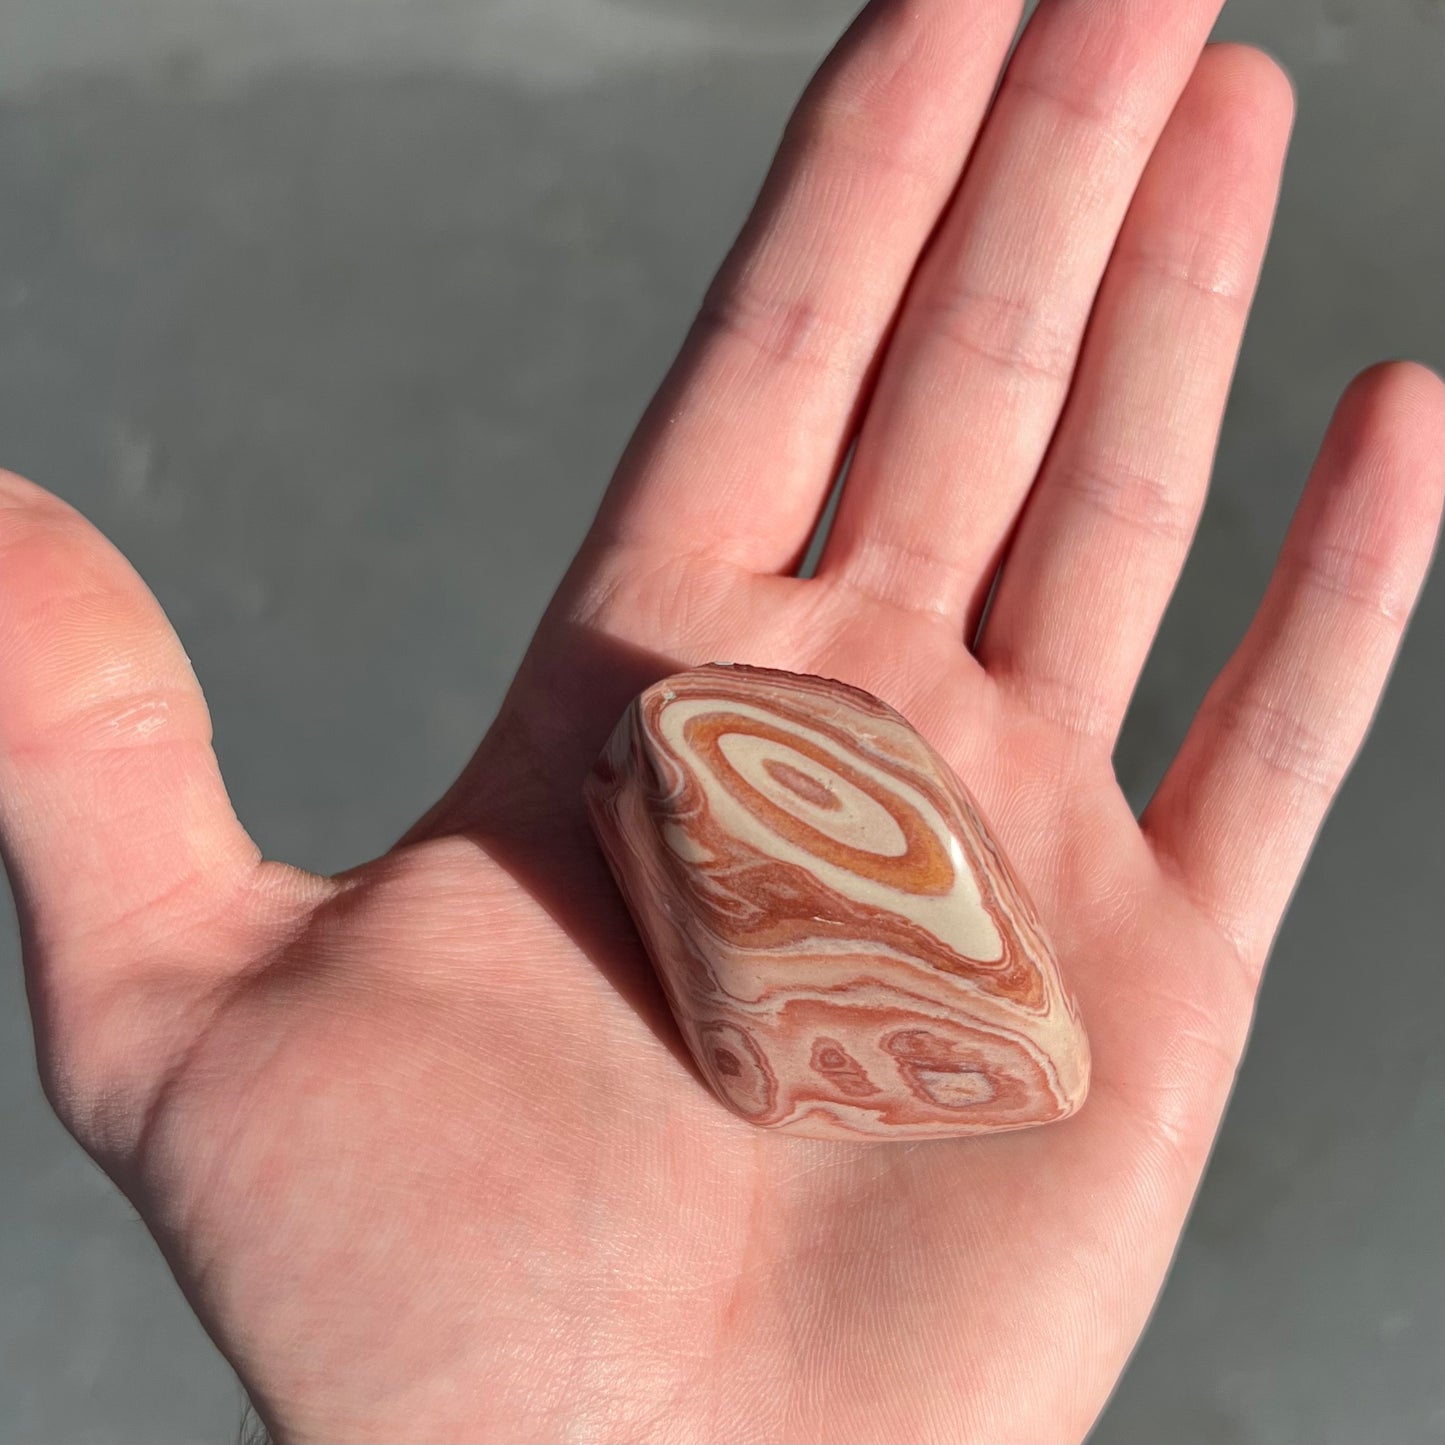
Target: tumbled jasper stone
(845, 947)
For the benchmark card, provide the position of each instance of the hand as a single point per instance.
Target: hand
(417, 1140)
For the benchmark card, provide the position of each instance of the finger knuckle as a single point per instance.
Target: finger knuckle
(1142, 499)
(1282, 740)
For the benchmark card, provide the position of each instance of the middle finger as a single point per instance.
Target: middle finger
(976, 376)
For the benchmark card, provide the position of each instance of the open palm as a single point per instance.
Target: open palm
(419, 1141)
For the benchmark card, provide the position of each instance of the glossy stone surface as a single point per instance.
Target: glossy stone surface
(845, 947)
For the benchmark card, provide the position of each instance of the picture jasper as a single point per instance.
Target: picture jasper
(846, 949)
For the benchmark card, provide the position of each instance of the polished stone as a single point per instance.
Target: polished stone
(844, 944)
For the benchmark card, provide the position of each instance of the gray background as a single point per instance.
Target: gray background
(335, 313)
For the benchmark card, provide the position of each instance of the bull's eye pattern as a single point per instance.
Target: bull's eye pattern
(846, 950)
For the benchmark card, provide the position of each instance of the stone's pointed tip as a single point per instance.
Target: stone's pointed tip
(847, 951)
(745, 674)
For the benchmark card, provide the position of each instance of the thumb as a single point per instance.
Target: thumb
(115, 828)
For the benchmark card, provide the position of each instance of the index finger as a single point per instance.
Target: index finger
(737, 452)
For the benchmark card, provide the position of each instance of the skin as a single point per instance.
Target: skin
(418, 1141)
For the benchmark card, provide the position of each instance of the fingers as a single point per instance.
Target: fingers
(1237, 812)
(974, 380)
(114, 825)
(1105, 532)
(737, 453)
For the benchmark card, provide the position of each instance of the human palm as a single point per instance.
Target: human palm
(420, 1141)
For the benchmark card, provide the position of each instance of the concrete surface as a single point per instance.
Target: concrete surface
(335, 313)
